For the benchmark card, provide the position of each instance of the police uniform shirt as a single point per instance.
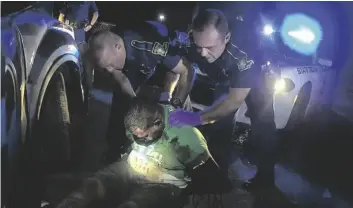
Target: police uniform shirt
(240, 64)
(79, 11)
(235, 68)
(147, 45)
(45, 6)
(241, 68)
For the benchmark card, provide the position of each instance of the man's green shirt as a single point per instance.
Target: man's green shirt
(168, 159)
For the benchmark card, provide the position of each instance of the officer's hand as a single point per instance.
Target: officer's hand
(181, 118)
(87, 28)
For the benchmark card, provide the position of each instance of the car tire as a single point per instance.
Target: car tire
(60, 138)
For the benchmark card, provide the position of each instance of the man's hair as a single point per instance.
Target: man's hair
(99, 41)
(102, 38)
(143, 114)
(210, 17)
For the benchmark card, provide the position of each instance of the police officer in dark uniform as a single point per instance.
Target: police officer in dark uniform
(45, 7)
(161, 79)
(238, 74)
(131, 57)
(76, 14)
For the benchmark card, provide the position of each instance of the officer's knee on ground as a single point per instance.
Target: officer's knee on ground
(128, 204)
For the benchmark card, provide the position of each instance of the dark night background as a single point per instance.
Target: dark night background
(178, 14)
(326, 161)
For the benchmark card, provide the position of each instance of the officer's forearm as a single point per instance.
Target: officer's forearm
(186, 82)
(224, 107)
(94, 18)
(127, 89)
(219, 110)
(124, 83)
(170, 82)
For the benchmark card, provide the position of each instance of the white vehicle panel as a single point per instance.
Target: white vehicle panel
(321, 79)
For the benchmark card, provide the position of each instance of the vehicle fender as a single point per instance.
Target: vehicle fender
(56, 48)
(34, 26)
(7, 67)
(12, 58)
(8, 42)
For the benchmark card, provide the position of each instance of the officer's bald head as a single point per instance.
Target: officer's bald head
(107, 50)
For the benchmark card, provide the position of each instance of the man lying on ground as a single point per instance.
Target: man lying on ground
(131, 56)
(156, 170)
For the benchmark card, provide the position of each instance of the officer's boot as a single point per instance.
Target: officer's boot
(262, 186)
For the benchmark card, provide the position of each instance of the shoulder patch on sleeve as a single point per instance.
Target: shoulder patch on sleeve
(155, 48)
(244, 64)
(160, 49)
(241, 58)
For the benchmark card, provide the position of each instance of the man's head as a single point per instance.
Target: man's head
(107, 51)
(210, 32)
(145, 119)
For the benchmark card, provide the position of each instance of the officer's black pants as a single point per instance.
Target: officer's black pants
(80, 35)
(219, 134)
(262, 145)
(116, 134)
(87, 66)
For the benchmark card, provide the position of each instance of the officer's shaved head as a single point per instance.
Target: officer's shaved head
(107, 50)
(210, 33)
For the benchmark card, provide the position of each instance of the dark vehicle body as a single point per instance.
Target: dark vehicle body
(43, 103)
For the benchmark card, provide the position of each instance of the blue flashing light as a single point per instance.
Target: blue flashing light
(301, 33)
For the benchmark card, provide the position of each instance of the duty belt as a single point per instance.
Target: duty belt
(76, 25)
